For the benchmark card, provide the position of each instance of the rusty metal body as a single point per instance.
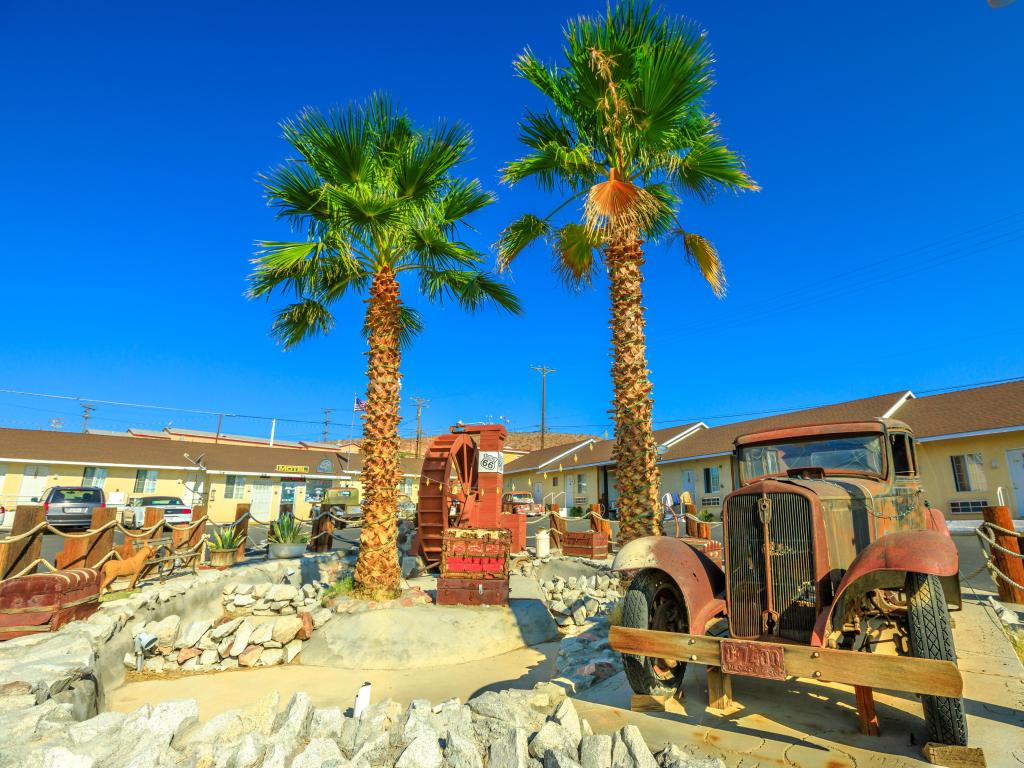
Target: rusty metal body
(460, 487)
(807, 548)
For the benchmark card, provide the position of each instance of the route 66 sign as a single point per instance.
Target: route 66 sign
(491, 461)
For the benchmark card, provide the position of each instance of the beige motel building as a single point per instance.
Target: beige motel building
(970, 447)
(223, 474)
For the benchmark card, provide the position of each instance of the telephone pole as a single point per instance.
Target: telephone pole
(327, 421)
(421, 403)
(86, 410)
(544, 371)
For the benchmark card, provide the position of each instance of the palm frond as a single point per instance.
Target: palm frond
(702, 254)
(301, 320)
(410, 325)
(517, 236)
(576, 255)
(471, 290)
(553, 166)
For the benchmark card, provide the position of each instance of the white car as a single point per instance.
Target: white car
(175, 510)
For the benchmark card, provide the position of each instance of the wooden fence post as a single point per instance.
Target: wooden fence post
(242, 510)
(87, 551)
(322, 537)
(1012, 566)
(690, 510)
(17, 555)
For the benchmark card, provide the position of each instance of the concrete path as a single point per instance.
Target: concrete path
(807, 724)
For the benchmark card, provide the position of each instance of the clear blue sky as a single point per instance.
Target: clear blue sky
(132, 138)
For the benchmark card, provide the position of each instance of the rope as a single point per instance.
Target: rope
(986, 535)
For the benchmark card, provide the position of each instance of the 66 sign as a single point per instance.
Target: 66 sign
(491, 461)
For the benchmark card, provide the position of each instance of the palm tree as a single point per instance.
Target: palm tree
(378, 206)
(625, 137)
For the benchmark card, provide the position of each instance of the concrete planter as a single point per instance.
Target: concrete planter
(280, 551)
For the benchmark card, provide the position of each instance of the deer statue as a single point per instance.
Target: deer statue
(130, 566)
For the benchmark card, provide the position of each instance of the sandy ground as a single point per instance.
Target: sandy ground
(336, 687)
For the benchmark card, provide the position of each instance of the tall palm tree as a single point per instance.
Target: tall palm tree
(378, 206)
(625, 137)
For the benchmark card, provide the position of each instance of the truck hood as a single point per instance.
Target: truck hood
(834, 489)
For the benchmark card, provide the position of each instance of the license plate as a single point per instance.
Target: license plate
(741, 657)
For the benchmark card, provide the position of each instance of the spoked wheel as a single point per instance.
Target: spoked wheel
(653, 601)
(931, 637)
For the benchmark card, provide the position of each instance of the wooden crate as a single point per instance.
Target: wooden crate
(588, 544)
(475, 553)
(472, 591)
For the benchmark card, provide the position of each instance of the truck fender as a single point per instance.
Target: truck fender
(884, 564)
(700, 580)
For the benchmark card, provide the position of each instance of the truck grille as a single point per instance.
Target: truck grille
(788, 553)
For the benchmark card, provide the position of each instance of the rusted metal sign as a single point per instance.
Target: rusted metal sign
(754, 659)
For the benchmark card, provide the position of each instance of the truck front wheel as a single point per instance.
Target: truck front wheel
(653, 601)
(931, 637)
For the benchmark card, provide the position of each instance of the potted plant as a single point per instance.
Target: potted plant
(225, 546)
(286, 538)
(704, 526)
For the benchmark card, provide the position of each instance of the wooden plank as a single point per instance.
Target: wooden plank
(894, 673)
(867, 718)
(19, 554)
(641, 702)
(104, 541)
(953, 756)
(720, 692)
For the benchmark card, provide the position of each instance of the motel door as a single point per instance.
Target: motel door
(290, 489)
(690, 484)
(1015, 461)
(538, 492)
(33, 482)
(263, 506)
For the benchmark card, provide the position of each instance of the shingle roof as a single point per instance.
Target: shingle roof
(79, 448)
(537, 459)
(999, 406)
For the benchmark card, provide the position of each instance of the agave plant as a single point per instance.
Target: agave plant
(226, 538)
(624, 140)
(287, 530)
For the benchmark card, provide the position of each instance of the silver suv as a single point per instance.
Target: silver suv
(70, 506)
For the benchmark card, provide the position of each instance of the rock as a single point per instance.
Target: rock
(241, 641)
(286, 628)
(165, 720)
(249, 751)
(630, 750)
(596, 751)
(228, 663)
(155, 665)
(224, 649)
(509, 751)
(206, 642)
(281, 593)
(223, 630)
(240, 601)
(461, 752)
(321, 617)
(188, 653)
(591, 605)
(293, 649)
(319, 752)
(422, 752)
(249, 656)
(262, 633)
(558, 608)
(565, 715)
(579, 614)
(296, 717)
(60, 757)
(270, 656)
(208, 658)
(261, 715)
(553, 737)
(327, 721)
(306, 630)
(243, 589)
(165, 630)
(259, 591)
(559, 760)
(191, 634)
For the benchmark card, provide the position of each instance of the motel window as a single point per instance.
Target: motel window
(711, 501)
(972, 507)
(94, 476)
(712, 482)
(405, 486)
(581, 484)
(315, 490)
(234, 487)
(554, 481)
(968, 474)
(145, 481)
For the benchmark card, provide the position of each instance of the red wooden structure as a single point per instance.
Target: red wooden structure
(460, 487)
(474, 567)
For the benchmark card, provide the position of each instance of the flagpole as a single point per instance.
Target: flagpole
(352, 422)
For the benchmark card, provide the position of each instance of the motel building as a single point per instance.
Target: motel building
(221, 475)
(970, 449)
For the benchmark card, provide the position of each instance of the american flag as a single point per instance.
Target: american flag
(359, 407)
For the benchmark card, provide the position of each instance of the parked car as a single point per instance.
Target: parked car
(69, 506)
(175, 510)
(829, 543)
(406, 507)
(521, 504)
(343, 503)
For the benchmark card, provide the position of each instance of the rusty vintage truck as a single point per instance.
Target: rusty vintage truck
(836, 568)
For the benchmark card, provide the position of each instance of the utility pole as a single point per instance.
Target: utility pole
(86, 410)
(327, 421)
(544, 371)
(421, 403)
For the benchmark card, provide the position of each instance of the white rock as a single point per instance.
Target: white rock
(422, 752)
(240, 601)
(59, 757)
(191, 634)
(270, 657)
(223, 630)
(241, 641)
(293, 649)
(165, 630)
(262, 633)
(285, 629)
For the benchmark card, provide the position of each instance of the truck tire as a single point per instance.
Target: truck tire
(653, 601)
(931, 637)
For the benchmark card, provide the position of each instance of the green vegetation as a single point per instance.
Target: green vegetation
(225, 538)
(287, 530)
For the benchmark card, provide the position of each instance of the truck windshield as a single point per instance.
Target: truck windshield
(860, 454)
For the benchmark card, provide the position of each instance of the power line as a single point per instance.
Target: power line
(421, 403)
(544, 371)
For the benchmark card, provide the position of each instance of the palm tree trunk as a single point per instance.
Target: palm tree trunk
(377, 573)
(634, 451)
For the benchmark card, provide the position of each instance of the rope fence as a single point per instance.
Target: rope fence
(1002, 548)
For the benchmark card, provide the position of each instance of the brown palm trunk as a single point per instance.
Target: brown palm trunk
(377, 573)
(634, 453)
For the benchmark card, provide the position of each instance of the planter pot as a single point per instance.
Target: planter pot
(222, 558)
(286, 551)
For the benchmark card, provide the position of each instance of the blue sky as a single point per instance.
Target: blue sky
(883, 252)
